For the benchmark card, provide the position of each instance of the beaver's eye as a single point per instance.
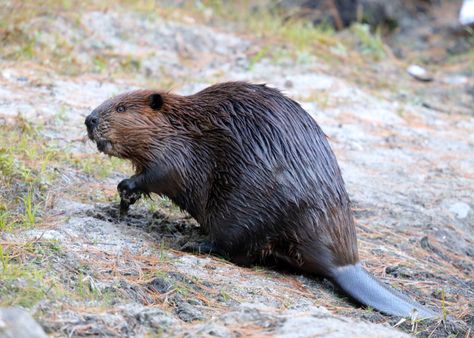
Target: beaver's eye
(120, 109)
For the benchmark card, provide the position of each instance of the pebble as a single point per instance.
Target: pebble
(466, 15)
(419, 73)
(16, 322)
(460, 209)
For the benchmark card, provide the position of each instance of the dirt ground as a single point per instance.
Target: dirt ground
(406, 153)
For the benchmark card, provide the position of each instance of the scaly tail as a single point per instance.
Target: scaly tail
(355, 281)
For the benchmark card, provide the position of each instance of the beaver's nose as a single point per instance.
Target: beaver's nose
(91, 121)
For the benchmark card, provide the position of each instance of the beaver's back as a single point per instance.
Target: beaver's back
(274, 172)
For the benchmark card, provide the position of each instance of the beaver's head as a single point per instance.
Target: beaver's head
(125, 125)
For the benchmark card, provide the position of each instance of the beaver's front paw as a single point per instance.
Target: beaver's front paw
(129, 192)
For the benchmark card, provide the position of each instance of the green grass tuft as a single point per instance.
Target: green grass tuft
(369, 43)
(31, 210)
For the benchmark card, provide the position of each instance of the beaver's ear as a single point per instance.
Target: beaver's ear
(156, 101)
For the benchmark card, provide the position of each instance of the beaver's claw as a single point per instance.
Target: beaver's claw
(129, 194)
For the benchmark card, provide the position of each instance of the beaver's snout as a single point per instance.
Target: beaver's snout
(91, 122)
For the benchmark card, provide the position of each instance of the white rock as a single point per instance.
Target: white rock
(16, 322)
(460, 209)
(419, 73)
(466, 16)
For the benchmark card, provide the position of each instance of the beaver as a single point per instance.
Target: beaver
(256, 172)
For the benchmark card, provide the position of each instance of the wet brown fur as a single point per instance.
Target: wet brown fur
(292, 204)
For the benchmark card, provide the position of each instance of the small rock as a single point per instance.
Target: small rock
(188, 313)
(460, 209)
(466, 15)
(425, 243)
(160, 285)
(419, 73)
(155, 318)
(288, 84)
(17, 323)
(398, 271)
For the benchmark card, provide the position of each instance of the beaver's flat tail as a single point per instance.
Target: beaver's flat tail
(355, 281)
